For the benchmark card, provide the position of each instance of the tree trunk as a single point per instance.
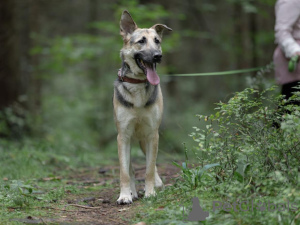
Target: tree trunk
(35, 79)
(253, 44)
(238, 34)
(9, 63)
(253, 31)
(93, 62)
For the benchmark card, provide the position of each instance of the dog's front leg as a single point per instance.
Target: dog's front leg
(124, 159)
(134, 194)
(151, 155)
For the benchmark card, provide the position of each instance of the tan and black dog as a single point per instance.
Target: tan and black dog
(138, 103)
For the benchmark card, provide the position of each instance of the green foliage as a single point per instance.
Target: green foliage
(192, 177)
(144, 15)
(16, 193)
(242, 136)
(64, 51)
(14, 121)
(21, 194)
(251, 143)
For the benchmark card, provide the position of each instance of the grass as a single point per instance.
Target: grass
(39, 198)
(167, 206)
(21, 199)
(35, 175)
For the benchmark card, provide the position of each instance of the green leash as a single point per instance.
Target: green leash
(230, 72)
(266, 68)
(291, 67)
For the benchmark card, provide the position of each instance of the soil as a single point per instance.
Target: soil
(99, 207)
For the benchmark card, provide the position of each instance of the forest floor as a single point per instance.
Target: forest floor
(94, 202)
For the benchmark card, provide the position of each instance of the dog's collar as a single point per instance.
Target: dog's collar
(130, 80)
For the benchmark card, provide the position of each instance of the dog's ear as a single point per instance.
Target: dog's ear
(159, 28)
(127, 25)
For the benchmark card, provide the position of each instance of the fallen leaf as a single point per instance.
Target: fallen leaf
(51, 178)
(160, 208)
(124, 209)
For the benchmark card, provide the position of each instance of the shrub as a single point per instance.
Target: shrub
(252, 136)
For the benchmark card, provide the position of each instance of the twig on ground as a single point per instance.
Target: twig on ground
(43, 221)
(48, 207)
(85, 207)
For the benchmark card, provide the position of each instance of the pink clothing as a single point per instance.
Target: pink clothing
(282, 75)
(287, 26)
(287, 36)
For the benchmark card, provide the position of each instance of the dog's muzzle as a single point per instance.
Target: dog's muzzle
(147, 63)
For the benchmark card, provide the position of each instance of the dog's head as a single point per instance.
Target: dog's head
(142, 47)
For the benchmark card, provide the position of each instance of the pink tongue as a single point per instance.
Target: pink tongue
(152, 76)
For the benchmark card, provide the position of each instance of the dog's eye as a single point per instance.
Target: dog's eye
(142, 41)
(156, 41)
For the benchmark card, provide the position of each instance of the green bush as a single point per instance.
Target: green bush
(248, 150)
(252, 136)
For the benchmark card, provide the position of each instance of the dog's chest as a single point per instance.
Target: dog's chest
(138, 122)
(145, 122)
(142, 114)
(138, 95)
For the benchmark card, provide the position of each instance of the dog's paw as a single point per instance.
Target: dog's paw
(124, 200)
(134, 196)
(159, 184)
(158, 181)
(150, 193)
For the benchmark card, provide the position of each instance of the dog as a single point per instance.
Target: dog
(138, 103)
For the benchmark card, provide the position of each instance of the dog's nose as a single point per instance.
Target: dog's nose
(157, 57)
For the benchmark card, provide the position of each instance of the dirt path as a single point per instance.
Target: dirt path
(96, 206)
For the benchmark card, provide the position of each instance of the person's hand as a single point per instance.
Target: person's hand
(293, 62)
(297, 54)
